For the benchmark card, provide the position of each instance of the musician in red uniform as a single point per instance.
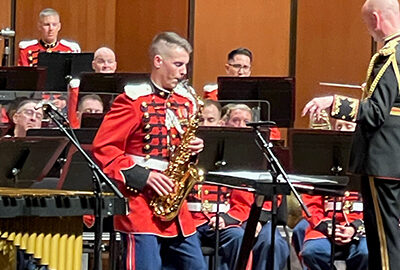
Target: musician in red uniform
(350, 240)
(133, 146)
(233, 206)
(238, 65)
(238, 115)
(49, 26)
(104, 61)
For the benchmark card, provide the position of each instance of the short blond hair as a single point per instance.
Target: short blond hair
(230, 107)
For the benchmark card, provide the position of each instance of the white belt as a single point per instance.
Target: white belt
(208, 207)
(151, 163)
(355, 206)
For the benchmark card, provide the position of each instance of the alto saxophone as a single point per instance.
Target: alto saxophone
(181, 169)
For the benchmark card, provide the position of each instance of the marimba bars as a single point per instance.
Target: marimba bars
(43, 228)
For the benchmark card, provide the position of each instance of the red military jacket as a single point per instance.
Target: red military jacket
(349, 211)
(73, 94)
(236, 202)
(29, 50)
(137, 125)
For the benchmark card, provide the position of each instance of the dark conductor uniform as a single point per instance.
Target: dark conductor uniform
(376, 152)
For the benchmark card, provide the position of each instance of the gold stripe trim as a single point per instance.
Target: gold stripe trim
(381, 231)
(395, 111)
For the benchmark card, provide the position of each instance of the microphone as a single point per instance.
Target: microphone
(261, 124)
(7, 32)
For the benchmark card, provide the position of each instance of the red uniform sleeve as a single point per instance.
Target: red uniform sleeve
(23, 58)
(315, 205)
(110, 143)
(275, 134)
(241, 202)
(211, 95)
(73, 93)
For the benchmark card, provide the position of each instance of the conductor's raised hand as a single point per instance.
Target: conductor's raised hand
(160, 183)
(316, 105)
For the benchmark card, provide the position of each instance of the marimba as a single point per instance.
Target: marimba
(45, 226)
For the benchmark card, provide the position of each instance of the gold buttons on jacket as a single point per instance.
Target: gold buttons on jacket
(147, 138)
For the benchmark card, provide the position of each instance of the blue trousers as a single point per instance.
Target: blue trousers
(159, 253)
(299, 233)
(229, 244)
(263, 245)
(316, 254)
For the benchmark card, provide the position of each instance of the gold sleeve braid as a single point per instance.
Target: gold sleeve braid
(344, 108)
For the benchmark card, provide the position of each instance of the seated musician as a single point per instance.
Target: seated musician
(89, 104)
(203, 201)
(49, 26)
(237, 115)
(350, 241)
(325, 123)
(311, 235)
(238, 65)
(26, 117)
(104, 61)
(211, 115)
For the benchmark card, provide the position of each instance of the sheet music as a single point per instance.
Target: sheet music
(266, 176)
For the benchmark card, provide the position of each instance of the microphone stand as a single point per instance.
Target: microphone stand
(277, 170)
(98, 178)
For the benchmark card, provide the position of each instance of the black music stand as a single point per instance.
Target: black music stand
(105, 84)
(92, 120)
(27, 160)
(34, 78)
(109, 82)
(76, 174)
(278, 92)
(12, 86)
(62, 67)
(225, 147)
(323, 152)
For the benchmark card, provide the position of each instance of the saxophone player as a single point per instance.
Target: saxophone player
(133, 146)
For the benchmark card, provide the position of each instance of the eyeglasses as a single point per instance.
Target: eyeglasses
(32, 113)
(240, 67)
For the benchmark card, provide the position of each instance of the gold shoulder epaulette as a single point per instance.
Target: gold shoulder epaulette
(389, 47)
(134, 91)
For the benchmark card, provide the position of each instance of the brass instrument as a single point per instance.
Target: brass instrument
(181, 169)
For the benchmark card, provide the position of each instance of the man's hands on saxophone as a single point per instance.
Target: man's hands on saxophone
(161, 183)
